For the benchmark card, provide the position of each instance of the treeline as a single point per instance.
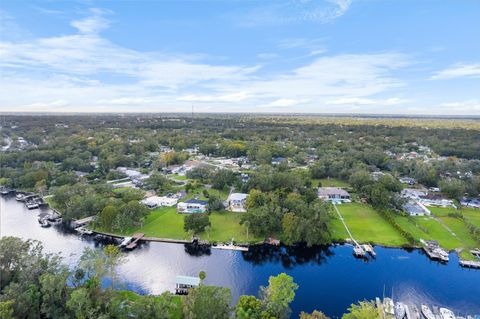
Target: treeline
(36, 285)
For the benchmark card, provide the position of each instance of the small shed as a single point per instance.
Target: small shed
(184, 283)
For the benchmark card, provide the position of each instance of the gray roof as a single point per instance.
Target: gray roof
(237, 196)
(197, 201)
(187, 280)
(326, 191)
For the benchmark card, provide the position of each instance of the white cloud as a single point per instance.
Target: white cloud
(468, 106)
(288, 12)
(285, 102)
(92, 24)
(458, 71)
(365, 101)
(125, 101)
(232, 97)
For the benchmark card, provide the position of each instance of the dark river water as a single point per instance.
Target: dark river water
(330, 279)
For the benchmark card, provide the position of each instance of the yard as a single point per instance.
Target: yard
(366, 225)
(164, 222)
(330, 182)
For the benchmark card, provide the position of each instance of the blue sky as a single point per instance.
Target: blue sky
(300, 56)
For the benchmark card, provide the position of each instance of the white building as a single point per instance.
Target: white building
(334, 194)
(236, 202)
(159, 201)
(192, 206)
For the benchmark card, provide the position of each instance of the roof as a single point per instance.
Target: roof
(237, 196)
(187, 280)
(325, 191)
(197, 201)
(413, 208)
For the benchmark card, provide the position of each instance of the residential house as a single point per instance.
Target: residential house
(236, 202)
(407, 180)
(192, 206)
(414, 208)
(159, 201)
(413, 193)
(470, 202)
(278, 160)
(334, 194)
(436, 200)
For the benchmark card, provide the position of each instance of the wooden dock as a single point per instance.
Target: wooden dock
(470, 264)
(83, 221)
(358, 250)
(135, 238)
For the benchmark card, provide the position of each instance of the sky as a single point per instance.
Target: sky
(282, 56)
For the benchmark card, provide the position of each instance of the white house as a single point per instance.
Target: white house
(236, 202)
(414, 208)
(192, 206)
(413, 193)
(334, 194)
(158, 201)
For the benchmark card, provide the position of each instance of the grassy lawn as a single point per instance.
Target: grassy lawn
(222, 194)
(178, 177)
(366, 225)
(166, 223)
(472, 214)
(330, 182)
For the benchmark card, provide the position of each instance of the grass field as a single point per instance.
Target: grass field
(166, 223)
(366, 225)
(472, 214)
(330, 182)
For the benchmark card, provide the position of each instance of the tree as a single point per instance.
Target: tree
(113, 258)
(196, 222)
(6, 309)
(81, 305)
(107, 217)
(202, 275)
(454, 188)
(54, 294)
(154, 307)
(314, 315)
(207, 302)
(248, 307)
(278, 295)
(215, 203)
(362, 310)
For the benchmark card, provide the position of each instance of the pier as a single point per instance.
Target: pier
(470, 264)
(358, 251)
(83, 221)
(135, 238)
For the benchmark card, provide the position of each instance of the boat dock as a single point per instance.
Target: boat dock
(231, 247)
(369, 249)
(134, 242)
(434, 251)
(83, 221)
(358, 251)
(470, 264)
(475, 252)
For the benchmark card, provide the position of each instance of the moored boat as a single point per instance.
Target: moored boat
(400, 311)
(446, 313)
(427, 313)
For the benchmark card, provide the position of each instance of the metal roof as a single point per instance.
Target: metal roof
(187, 280)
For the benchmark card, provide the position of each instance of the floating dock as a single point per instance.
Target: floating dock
(369, 249)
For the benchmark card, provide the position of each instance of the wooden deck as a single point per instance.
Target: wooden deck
(136, 237)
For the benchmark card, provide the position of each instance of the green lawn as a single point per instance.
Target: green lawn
(330, 182)
(472, 214)
(178, 177)
(166, 223)
(366, 225)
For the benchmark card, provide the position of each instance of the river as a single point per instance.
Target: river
(330, 278)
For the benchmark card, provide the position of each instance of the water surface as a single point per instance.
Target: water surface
(330, 278)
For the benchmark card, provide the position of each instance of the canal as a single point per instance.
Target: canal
(330, 278)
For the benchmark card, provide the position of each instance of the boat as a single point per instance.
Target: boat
(388, 306)
(369, 249)
(83, 231)
(400, 311)
(125, 242)
(446, 313)
(414, 312)
(358, 251)
(45, 223)
(19, 197)
(31, 204)
(427, 313)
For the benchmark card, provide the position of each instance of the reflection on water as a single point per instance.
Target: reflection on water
(330, 278)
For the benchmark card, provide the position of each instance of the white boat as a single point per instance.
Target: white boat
(45, 223)
(388, 306)
(400, 310)
(414, 312)
(125, 242)
(19, 197)
(427, 313)
(446, 313)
